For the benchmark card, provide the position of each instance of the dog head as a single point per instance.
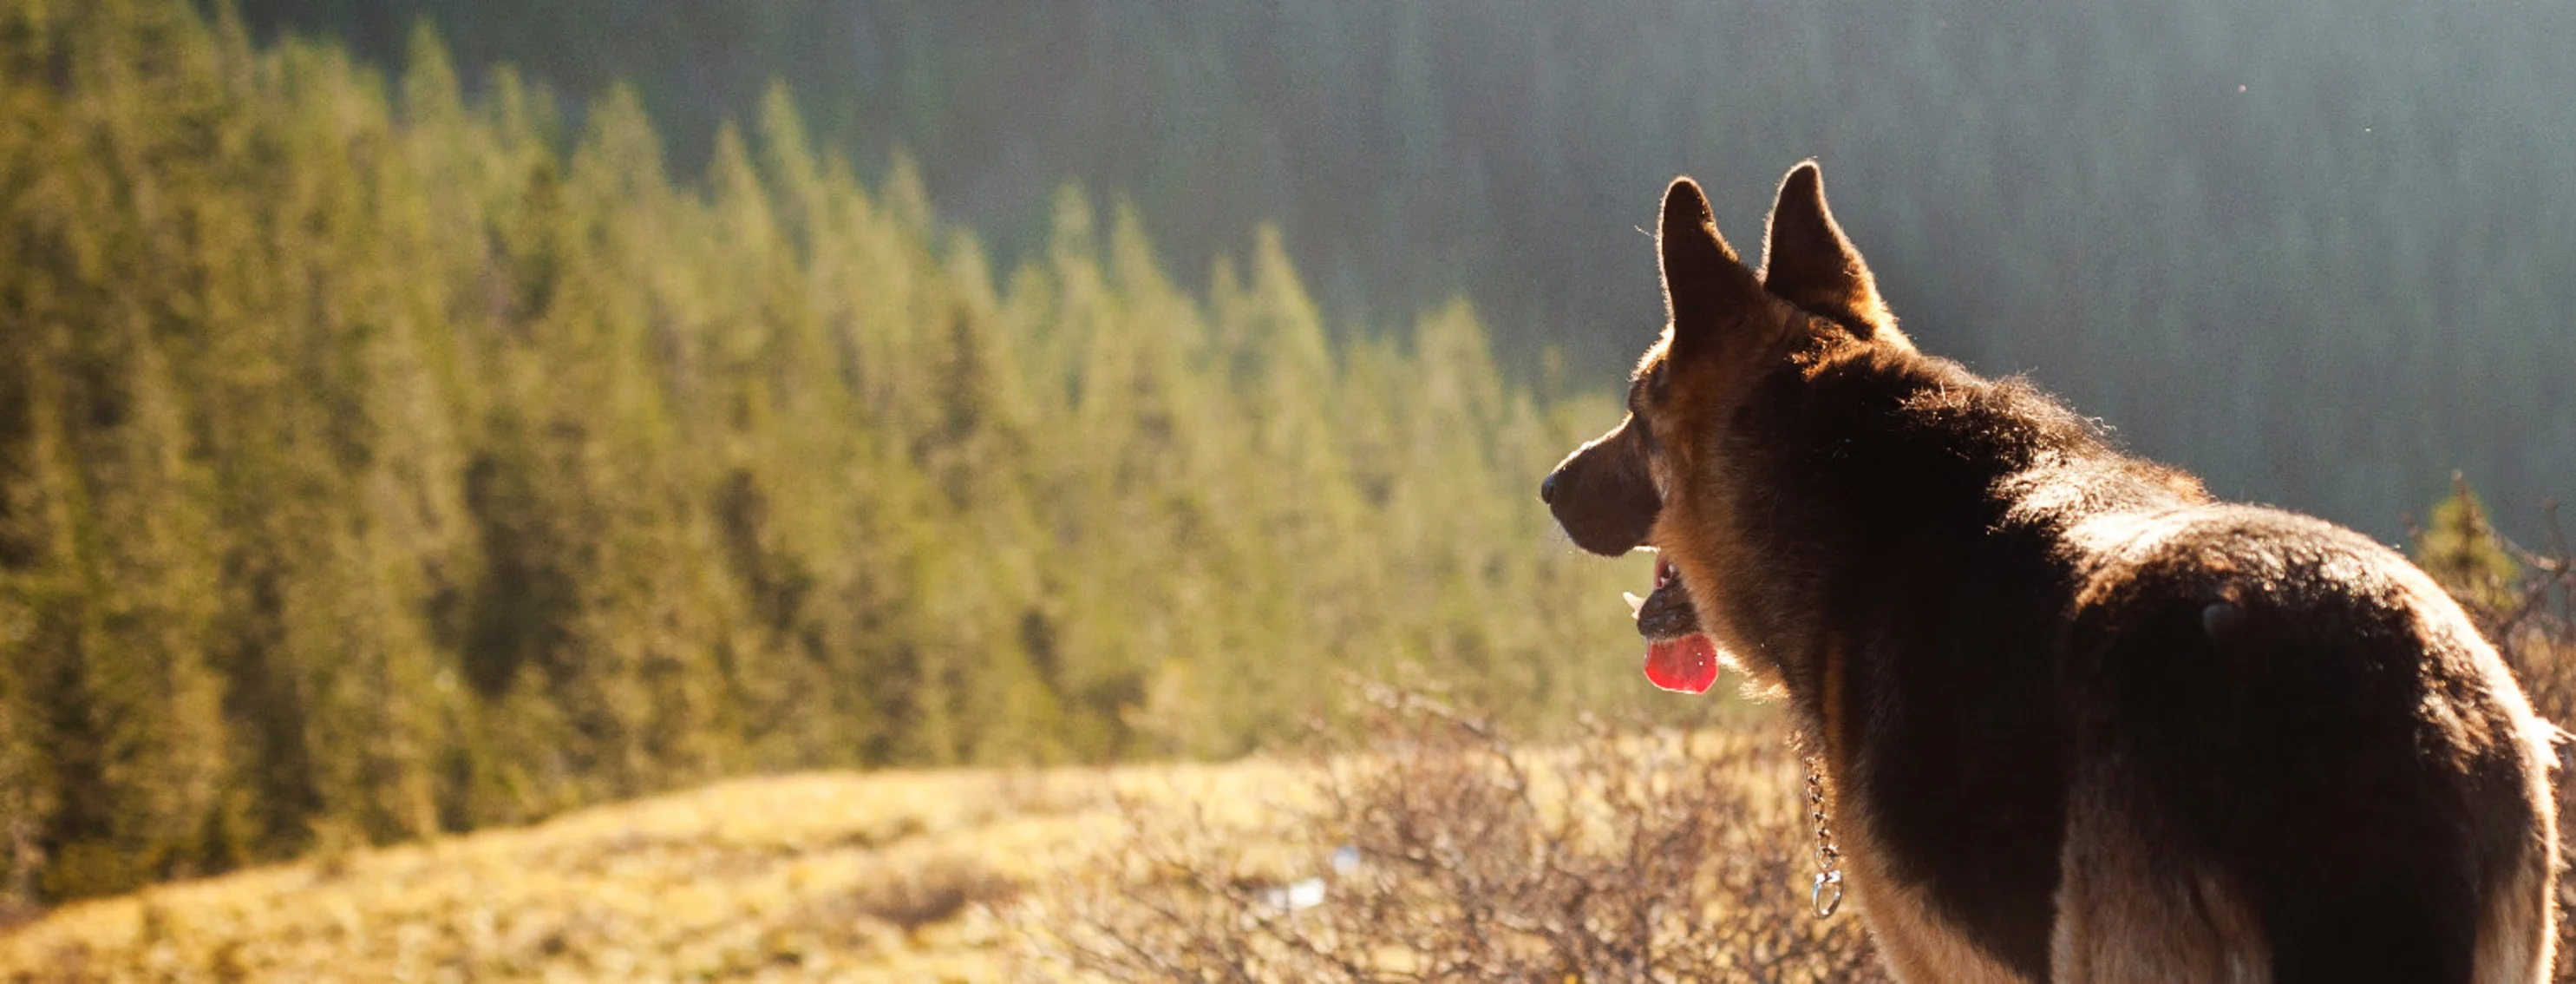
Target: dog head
(1654, 480)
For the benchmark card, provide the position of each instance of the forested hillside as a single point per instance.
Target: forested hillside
(2316, 250)
(377, 459)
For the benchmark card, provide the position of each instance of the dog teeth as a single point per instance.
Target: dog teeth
(1634, 602)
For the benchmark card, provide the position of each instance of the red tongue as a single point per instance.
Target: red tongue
(1687, 664)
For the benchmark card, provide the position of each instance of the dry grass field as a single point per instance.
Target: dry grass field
(1435, 849)
(893, 876)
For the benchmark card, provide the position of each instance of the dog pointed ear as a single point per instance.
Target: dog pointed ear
(1808, 262)
(1706, 288)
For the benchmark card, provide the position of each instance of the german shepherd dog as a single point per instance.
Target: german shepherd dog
(2081, 722)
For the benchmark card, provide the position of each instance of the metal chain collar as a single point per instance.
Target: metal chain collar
(1828, 895)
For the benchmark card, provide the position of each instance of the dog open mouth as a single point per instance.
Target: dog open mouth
(1678, 656)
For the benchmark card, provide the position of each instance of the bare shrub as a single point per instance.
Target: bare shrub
(2535, 625)
(1439, 850)
(932, 892)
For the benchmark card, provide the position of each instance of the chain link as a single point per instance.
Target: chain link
(1828, 895)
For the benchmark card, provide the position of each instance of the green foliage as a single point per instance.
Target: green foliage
(2314, 250)
(2462, 552)
(377, 461)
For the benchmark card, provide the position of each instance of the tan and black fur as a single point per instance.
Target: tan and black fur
(2082, 722)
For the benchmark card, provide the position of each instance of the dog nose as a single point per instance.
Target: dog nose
(1547, 489)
